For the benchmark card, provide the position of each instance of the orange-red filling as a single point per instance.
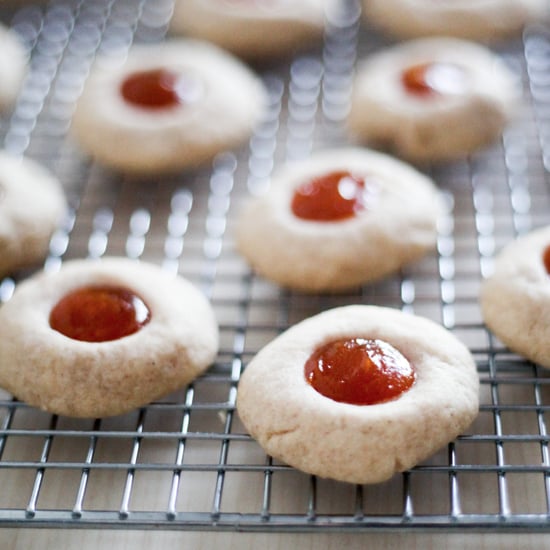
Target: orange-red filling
(99, 314)
(426, 79)
(546, 259)
(359, 371)
(154, 89)
(334, 196)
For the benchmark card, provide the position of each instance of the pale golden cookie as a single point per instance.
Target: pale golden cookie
(397, 226)
(65, 374)
(32, 204)
(473, 19)
(252, 29)
(472, 98)
(208, 102)
(296, 424)
(515, 299)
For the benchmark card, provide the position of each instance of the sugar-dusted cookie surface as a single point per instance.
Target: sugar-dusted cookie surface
(13, 67)
(359, 443)
(472, 19)
(102, 337)
(515, 299)
(167, 107)
(338, 219)
(253, 29)
(32, 205)
(432, 99)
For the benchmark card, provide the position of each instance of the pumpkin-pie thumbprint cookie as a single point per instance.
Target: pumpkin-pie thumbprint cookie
(102, 337)
(13, 67)
(359, 393)
(515, 299)
(253, 29)
(338, 219)
(32, 205)
(483, 20)
(432, 99)
(167, 107)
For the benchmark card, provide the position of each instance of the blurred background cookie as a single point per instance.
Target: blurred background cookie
(482, 20)
(253, 29)
(167, 107)
(32, 205)
(432, 99)
(13, 67)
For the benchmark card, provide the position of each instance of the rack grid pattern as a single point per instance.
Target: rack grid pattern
(186, 462)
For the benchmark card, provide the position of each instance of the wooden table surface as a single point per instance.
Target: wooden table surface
(42, 539)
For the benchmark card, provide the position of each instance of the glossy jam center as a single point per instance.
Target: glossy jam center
(99, 314)
(428, 79)
(158, 89)
(332, 197)
(546, 259)
(359, 371)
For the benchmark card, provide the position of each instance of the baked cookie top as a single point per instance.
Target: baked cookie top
(102, 337)
(515, 299)
(472, 19)
(13, 67)
(351, 441)
(167, 107)
(338, 219)
(32, 204)
(432, 99)
(253, 29)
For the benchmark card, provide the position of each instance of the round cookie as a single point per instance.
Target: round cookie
(515, 299)
(298, 425)
(252, 29)
(13, 67)
(432, 99)
(472, 19)
(169, 106)
(395, 226)
(32, 204)
(68, 353)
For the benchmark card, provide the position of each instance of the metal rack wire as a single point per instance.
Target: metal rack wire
(186, 462)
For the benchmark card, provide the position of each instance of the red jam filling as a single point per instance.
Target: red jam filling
(359, 371)
(427, 79)
(99, 314)
(546, 259)
(332, 197)
(155, 89)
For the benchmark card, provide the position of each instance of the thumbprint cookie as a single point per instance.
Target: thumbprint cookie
(167, 107)
(432, 99)
(515, 299)
(101, 337)
(338, 219)
(358, 393)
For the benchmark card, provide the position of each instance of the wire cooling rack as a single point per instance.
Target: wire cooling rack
(186, 462)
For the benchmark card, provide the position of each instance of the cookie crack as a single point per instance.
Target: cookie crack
(280, 433)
